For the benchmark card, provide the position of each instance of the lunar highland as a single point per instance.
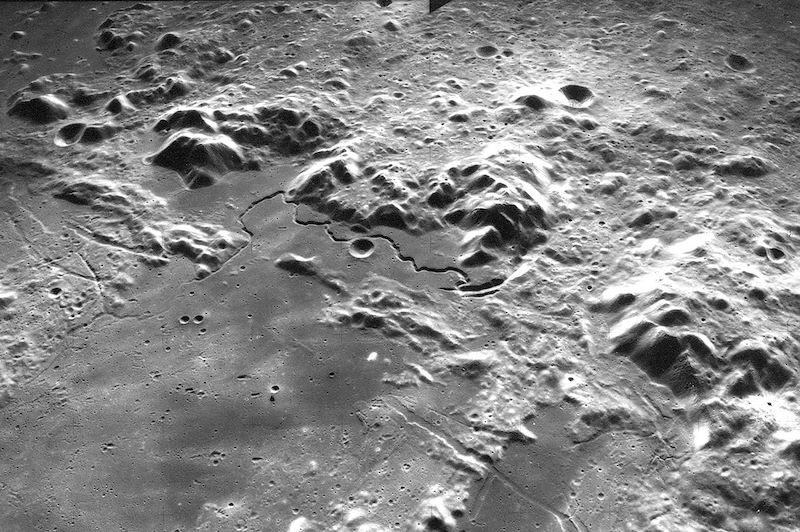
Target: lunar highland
(380, 265)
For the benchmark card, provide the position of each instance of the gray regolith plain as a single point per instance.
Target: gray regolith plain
(400, 265)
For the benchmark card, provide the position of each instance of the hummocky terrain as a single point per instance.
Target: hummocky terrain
(354, 266)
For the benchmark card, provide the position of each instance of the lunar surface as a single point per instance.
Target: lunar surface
(399, 265)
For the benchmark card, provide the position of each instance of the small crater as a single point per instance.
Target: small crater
(577, 95)
(69, 134)
(361, 248)
(739, 63)
(776, 254)
(486, 50)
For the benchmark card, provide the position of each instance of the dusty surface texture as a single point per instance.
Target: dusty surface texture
(350, 266)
